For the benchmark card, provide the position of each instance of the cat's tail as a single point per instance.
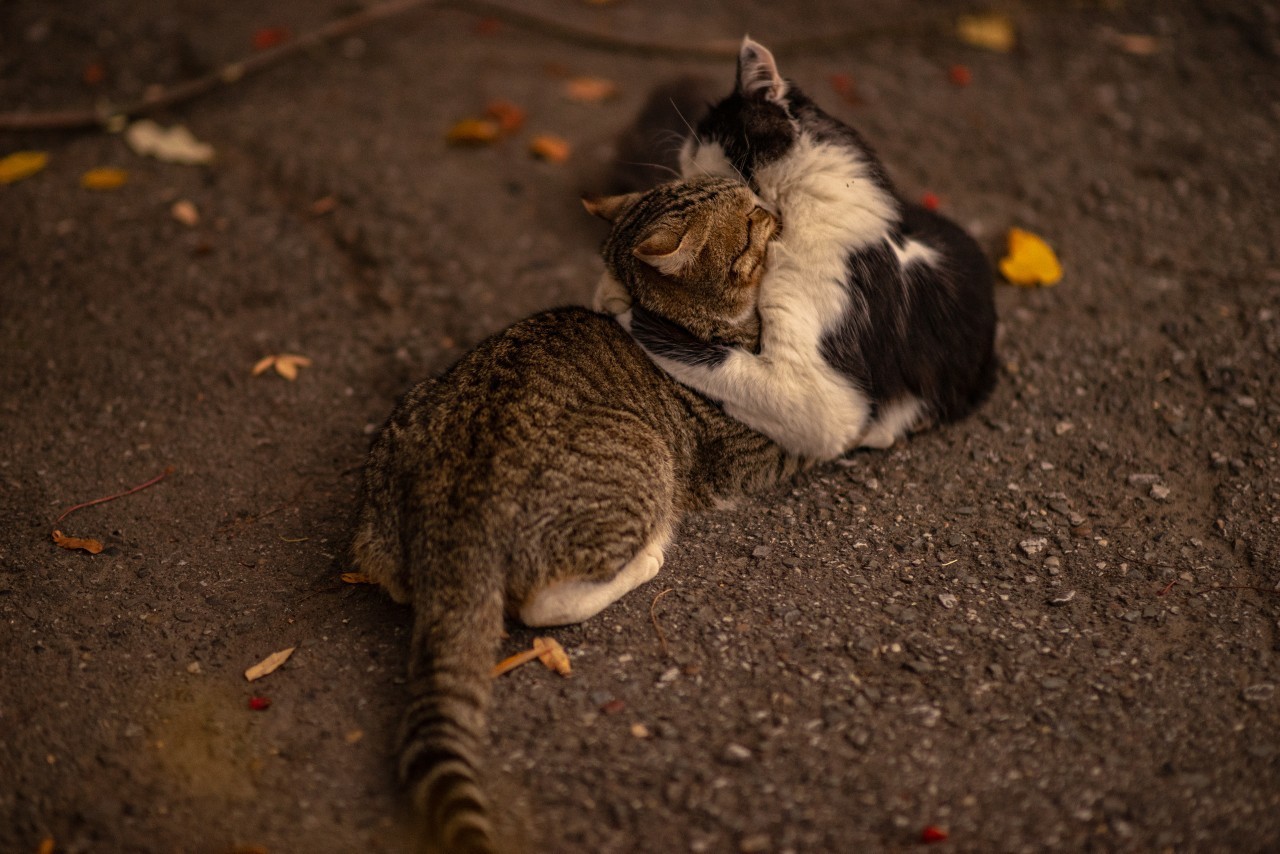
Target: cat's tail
(442, 740)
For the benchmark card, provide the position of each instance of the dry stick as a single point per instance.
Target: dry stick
(653, 617)
(514, 661)
(168, 471)
(160, 97)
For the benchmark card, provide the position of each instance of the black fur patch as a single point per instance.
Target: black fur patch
(664, 337)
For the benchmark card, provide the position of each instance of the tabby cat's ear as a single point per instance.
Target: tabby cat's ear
(609, 208)
(758, 75)
(666, 251)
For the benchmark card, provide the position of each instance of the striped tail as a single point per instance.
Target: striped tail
(443, 737)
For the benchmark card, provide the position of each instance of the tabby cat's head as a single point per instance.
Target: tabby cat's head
(692, 253)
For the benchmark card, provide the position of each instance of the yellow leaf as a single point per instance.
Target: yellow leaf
(553, 149)
(93, 547)
(990, 30)
(1030, 261)
(287, 365)
(474, 132)
(262, 364)
(268, 664)
(22, 164)
(356, 578)
(552, 654)
(590, 89)
(104, 178)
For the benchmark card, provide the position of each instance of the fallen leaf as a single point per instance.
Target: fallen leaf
(185, 212)
(353, 735)
(990, 30)
(590, 90)
(104, 178)
(613, 707)
(46, 846)
(356, 578)
(553, 149)
(287, 365)
(172, 145)
(932, 833)
(960, 75)
(22, 164)
(846, 87)
(930, 201)
(552, 654)
(513, 661)
(93, 547)
(269, 664)
(259, 704)
(473, 132)
(323, 205)
(1030, 261)
(1138, 44)
(269, 37)
(486, 26)
(94, 73)
(510, 118)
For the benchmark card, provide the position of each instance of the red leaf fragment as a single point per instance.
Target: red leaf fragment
(613, 707)
(259, 704)
(510, 117)
(930, 201)
(487, 26)
(269, 37)
(960, 75)
(846, 87)
(94, 73)
(933, 833)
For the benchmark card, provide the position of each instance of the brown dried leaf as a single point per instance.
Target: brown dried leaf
(553, 149)
(356, 578)
(93, 547)
(590, 90)
(473, 132)
(552, 654)
(269, 664)
(104, 178)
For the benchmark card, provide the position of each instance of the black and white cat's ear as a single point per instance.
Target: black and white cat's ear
(758, 75)
(666, 251)
(609, 208)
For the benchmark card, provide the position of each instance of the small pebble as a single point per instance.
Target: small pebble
(947, 600)
(1159, 492)
(1143, 479)
(761, 551)
(1033, 546)
(1063, 599)
(193, 667)
(736, 754)
(640, 731)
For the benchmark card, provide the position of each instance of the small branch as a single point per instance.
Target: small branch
(653, 617)
(168, 471)
(159, 97)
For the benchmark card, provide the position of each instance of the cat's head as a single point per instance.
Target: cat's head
(692, 253)
(751, 128)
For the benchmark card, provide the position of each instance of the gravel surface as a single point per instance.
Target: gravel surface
(1053, 626)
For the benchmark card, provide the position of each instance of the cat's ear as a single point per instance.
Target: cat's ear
(758, 75)
(667, 251)
(609, 208)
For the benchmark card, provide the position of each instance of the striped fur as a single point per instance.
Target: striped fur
(878, 316)
(543, 474)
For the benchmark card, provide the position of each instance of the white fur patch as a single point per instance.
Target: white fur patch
(789, 392)
(915, 252)
(709, 161)
(892, 422)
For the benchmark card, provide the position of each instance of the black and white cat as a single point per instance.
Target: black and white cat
(878, 316)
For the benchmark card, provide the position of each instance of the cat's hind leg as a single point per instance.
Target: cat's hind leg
(574, 600)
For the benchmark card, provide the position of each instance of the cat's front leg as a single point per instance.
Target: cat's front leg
(610, 297)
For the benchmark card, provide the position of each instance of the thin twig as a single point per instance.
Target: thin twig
(158, 97)
(168, 471)
(1167, 587)
(653, 617)
(514, 661)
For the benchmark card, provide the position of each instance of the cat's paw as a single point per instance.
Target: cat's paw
(611, 297)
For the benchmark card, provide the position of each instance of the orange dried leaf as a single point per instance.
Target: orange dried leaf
(1138, 44)
(287, 365)
(262, 364)
(990, 30)
(553, 149)
(514, 661)
(185, 212)
(1030, 260)
(22, 164)
(510, 118)
(356, 578)
(269, 664)
(591, 90)
(93, 547)
(104, 178)
(46, 846)
(473, 132)
(552, 654)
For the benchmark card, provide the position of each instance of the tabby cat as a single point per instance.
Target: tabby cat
(544, 474)
(877, 315)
